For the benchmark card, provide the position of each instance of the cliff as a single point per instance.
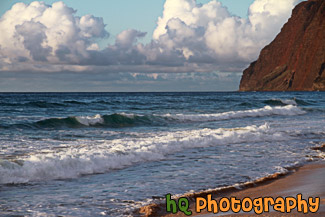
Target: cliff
(295, 60)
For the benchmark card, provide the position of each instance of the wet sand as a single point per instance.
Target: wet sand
(308, 180)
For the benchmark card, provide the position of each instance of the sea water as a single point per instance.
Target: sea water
(92, 154)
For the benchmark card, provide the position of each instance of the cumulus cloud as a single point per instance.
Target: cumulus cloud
(189, 37)
(128, 37)
(203, 31)
(40, 33)
(33, 34)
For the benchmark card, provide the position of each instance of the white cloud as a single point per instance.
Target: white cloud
(128, 37)
(209, 29)
(34, 37)
(40, 32)
(189, 37)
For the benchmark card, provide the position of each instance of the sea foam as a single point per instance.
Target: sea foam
(90, 120)
(90, 158)
(128, 120)
(288, 110)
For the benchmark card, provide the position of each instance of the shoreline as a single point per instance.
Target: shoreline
(306, 179)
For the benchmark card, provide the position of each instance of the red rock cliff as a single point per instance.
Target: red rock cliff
(295, 60)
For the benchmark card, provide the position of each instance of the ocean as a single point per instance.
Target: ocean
(93, 154)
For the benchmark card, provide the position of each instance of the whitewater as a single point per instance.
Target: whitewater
(110, 153)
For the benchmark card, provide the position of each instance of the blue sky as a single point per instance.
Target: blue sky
(128, 45)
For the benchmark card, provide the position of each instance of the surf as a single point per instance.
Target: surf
(84, 159)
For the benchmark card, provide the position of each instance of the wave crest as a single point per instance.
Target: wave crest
(81, 159)
(114, 120)
(288, 110)
(284, 102)
(130, 120)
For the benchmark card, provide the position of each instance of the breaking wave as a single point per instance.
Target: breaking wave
(82, 158)
(114, 120)
(284, 102)
(130, 120)
(266, 111)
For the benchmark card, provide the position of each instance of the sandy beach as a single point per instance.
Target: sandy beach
(307, 180)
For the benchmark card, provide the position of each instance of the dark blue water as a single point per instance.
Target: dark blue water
(89, 154)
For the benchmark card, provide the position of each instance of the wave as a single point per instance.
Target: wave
(302, 102)
(43, 104)
(114, 121)
(288, 110)
(284, 102)
(131, 120)
(37, 104)
(75, 102)
(65, 103)
(70, 122)
(245, 104)
(103, 156)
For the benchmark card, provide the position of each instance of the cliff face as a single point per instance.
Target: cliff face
(295, 60)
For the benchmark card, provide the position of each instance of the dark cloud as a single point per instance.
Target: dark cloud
(33, 36)
(115, 82)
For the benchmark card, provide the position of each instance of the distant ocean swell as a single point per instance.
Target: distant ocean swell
(81, 159)
(44, 104)
(129, 120)
(69, 103)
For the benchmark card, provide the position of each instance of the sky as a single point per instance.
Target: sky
(127, 45)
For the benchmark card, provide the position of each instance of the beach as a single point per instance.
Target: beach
(307, 180)
(162, 108)
(92, 154)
